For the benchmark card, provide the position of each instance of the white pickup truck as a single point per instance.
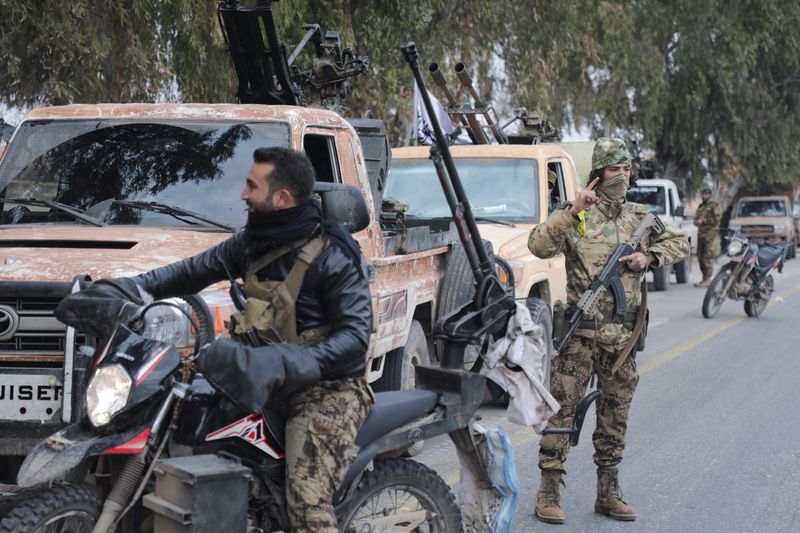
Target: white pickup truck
(661, 195)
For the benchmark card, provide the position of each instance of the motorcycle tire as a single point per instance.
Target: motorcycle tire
(713, 299)
(753, 309)
(416, 482)
(73, 507)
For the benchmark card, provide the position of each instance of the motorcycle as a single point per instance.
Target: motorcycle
(146, 401)
(747, 275)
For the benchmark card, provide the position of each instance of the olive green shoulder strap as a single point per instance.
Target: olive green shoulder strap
(307, 255)
(272, 256)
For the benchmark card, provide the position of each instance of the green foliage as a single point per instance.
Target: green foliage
(712, 86)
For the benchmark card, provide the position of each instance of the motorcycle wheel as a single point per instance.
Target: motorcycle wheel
(61, 508)
(714, 294)
(420, 498)
(754, 309)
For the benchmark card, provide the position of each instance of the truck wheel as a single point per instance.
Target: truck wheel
(398, 369)
(683, 268)
(541, 315)
(458, 287)
(661, 278)
(63, 507)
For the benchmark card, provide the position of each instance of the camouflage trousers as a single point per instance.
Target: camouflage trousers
(320, 446)
(707, 252)
(570, 374)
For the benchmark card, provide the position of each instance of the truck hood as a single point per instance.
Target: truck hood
(58, 253)
(506, 241)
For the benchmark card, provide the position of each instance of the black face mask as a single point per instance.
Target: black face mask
(265, 231)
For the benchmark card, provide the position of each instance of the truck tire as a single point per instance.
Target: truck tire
(541, 315)
(398, 368)
(683, 269)
(458, 287)
(661, 278)
(72, 506)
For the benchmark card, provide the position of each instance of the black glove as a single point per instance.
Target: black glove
(249, 376)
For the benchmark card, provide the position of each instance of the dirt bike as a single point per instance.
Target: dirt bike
(145, 401)
(747, 276)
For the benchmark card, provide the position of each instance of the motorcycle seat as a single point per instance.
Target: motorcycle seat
(768, 253)
(393, 409)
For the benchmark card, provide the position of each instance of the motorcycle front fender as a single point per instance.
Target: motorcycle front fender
(57, 455)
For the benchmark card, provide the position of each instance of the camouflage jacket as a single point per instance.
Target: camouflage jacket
(708, 216)
(587, 254)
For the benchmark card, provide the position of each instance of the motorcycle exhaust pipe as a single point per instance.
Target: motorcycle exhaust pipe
(120, 494)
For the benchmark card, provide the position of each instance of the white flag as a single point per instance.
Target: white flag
(423, 130)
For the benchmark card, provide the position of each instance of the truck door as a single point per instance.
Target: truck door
(557, 192)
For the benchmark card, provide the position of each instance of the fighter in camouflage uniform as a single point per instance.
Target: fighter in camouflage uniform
(586, 232)
(707, 219)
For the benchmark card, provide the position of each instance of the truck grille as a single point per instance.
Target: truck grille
(29, 331)
(758, 229)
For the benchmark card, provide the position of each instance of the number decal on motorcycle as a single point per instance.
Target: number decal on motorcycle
(249, 429)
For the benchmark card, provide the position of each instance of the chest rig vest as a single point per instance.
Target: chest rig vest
(270, 309)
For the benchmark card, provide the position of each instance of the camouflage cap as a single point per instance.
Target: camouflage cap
(705, 190)
(552, 177)
(609, 151)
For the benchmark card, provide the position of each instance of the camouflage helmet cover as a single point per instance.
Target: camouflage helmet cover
(609, 151)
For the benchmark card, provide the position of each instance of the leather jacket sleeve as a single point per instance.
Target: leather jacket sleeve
(344, 296)
(196, 273)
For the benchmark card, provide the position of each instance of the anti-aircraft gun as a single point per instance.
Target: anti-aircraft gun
(269, 74)
(534, 129)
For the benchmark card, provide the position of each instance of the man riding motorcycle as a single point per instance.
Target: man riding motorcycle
(306, 284)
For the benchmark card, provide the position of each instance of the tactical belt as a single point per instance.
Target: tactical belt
(629, 321)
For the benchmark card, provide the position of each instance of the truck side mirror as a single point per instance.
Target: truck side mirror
(344, 204)
(678, 211)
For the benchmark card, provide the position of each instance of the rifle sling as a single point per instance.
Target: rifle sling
(637, 330)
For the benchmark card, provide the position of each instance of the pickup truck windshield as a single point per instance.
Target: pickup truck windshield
(761, 208)
(502, 189)
(195, 166)
(653, 197)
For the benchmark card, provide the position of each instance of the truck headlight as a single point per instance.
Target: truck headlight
(107, 394)
(166, 324)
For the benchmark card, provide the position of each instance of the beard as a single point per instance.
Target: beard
(262, 208)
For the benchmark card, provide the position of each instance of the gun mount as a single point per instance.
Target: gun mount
(269, 74)
(534, 129)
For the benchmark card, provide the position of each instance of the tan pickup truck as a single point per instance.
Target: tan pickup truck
(509, 194)
(766, 218)
(176, 172)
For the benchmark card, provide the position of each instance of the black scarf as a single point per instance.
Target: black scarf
(265, 231)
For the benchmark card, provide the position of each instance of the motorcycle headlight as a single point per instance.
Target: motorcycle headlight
(735, 248)
(107, 394)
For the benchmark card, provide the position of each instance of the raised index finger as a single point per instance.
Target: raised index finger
(592, 184)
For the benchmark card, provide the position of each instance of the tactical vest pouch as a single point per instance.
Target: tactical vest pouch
(559, 319)
(270, 306)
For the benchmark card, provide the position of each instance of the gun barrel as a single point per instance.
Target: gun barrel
(468, 121)
(466, 81)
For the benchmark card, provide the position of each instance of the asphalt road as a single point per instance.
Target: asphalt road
(713, 434)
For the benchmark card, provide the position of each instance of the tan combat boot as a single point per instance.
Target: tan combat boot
(548, 508)
(609, 496)
(703, 284)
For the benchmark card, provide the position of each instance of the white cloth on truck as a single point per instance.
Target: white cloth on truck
(516, 363)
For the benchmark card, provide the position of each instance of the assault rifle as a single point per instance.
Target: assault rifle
(610, 278)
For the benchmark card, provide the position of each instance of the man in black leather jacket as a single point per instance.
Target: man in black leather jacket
(324, 392)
